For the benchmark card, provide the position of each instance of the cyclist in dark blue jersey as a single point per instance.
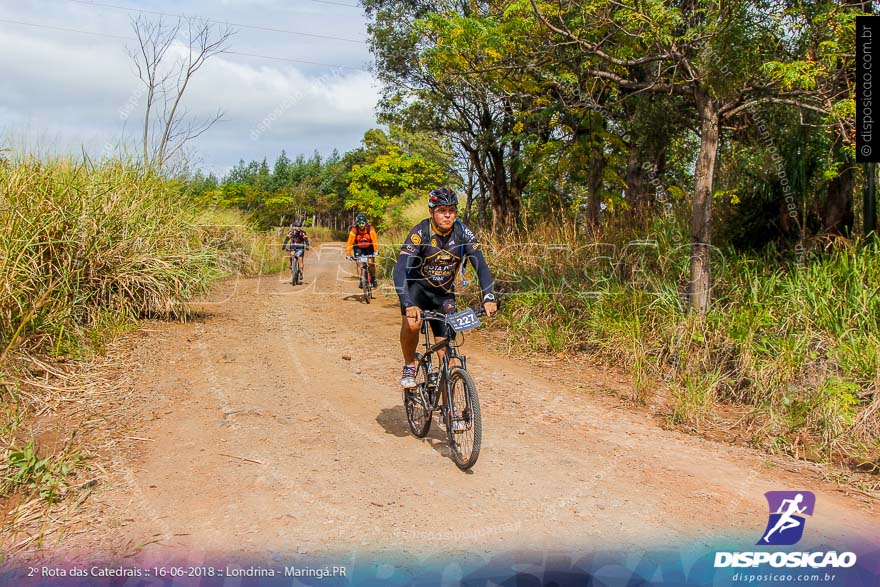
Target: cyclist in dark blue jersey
(424, 275)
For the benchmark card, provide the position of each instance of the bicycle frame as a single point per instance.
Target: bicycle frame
(446, 365)
(295, 264)
(451, 351)
(296, 253)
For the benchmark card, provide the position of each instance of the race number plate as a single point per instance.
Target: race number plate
(464, 320)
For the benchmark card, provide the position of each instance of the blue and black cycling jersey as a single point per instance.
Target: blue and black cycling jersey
(431, 258)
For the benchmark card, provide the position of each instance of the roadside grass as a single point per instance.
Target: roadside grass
(325, 234)
(79, 241)
(240, 247)
(796, 348)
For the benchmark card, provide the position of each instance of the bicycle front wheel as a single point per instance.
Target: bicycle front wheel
(418, 416)
(464, 426)
(368, 288)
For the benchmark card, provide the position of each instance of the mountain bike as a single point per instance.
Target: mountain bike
(460, 413)
(364, 270)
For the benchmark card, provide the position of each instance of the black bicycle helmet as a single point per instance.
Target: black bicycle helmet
(360, 220)
(297, 223)
(442, 197)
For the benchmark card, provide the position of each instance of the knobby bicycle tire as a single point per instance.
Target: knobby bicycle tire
(294, 272)
(464, 446)
(418, 419)
(365, 283)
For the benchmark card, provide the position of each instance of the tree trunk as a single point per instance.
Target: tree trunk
(839, 214)
(594, 184)
(701, 226)
(497, 188)
(514, 199)
(505, 192)
(519, 178)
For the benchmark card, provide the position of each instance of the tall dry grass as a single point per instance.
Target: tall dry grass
(82, 245)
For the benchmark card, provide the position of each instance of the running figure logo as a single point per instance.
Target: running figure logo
(787, 509)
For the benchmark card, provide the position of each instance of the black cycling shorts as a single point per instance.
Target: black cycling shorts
(359, 252)
(427, 298)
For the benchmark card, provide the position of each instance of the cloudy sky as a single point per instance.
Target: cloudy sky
(65, 90)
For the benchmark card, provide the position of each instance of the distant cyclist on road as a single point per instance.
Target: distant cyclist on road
(363, 241)
(424, 275)
(296, 242)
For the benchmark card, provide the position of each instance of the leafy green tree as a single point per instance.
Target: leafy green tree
(429, 86)
(718, 55)
(392, 177)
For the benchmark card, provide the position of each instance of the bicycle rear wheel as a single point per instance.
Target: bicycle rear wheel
(417, 416)
(464, 426)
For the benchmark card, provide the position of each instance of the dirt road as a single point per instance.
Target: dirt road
(262, 437)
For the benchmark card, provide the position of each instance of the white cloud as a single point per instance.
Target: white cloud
(70, 89)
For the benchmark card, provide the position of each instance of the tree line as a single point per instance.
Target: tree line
(379, 178)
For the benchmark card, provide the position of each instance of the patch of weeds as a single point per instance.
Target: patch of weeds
(694, 398)
(24, 469)
(640, 374)
(835, 407)
(10, 420)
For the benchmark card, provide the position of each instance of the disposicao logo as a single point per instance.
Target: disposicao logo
(785, 527)
(786, 524)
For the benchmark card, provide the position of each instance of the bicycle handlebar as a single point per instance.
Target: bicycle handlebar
(432, 315)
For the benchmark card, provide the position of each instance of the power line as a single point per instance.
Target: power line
(337, 3)
(58, 28)
(244, 26)
(112, 36)
(296, 60)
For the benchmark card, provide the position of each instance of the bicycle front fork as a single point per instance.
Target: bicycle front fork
(438, 386)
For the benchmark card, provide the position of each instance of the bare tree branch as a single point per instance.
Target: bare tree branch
(166, 125)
